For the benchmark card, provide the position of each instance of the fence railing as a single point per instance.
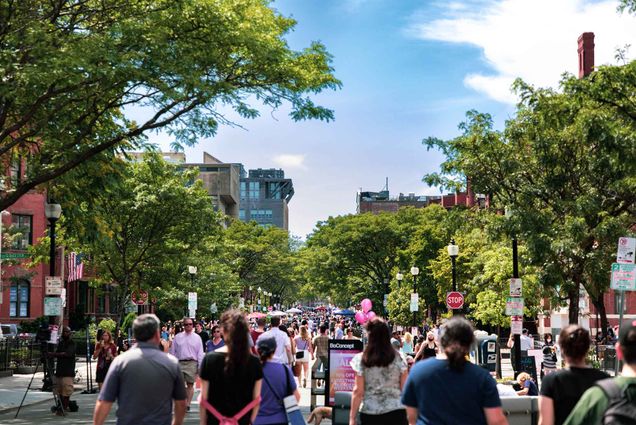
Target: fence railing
(19, 352)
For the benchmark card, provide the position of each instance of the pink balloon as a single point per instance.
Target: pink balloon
(370, 315)
(366, 305)
(361, 317)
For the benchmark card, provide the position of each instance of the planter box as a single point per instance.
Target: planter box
(24, 370)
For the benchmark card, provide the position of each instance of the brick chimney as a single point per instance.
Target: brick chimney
(586, 54)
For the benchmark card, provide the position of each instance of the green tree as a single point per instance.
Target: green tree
(71, 69)
(566, 165)
(149, 225)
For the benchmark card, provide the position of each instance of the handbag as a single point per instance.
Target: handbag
(300, 355)
(294, 416)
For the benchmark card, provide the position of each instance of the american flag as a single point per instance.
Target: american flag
(75, 267)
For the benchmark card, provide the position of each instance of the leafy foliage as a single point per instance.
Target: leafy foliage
(71, 69)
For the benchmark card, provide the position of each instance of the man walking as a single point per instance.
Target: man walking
(144, 381)
(187, 348)
(202, 334)
(283, 352)
(321, 348)
(613, 397)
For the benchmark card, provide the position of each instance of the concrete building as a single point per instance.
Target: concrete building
(221, 181)
(265, 195)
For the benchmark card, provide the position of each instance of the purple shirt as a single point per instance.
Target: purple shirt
(271, 410)
(187, 346)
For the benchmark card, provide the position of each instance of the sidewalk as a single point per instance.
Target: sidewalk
(13, 388)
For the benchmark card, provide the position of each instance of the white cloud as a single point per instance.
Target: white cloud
(535, 40)
(290, 161)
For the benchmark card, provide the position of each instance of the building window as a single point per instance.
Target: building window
(24, 224)
(19, 299)
(15, 171)
(275, 191)
(101, 304)
(241, 214)
(617, 303)
(254, 192)
(243, 190)
(261, 216)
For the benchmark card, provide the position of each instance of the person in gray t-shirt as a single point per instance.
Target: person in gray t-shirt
(145, 381)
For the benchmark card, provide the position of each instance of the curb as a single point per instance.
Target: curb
(33, 403)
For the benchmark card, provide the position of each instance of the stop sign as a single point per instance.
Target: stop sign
(454, 300)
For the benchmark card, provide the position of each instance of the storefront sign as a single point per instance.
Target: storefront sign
(341, 376)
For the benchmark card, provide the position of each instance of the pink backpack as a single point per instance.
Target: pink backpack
(223, 420)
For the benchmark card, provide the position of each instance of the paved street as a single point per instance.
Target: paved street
(38, 404)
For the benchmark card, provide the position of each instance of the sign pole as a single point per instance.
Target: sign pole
(515, 274)
(620, 325)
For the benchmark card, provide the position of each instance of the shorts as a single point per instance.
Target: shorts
(189, 368)
(64, 386)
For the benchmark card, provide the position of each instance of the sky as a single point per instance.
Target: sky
(410, 69)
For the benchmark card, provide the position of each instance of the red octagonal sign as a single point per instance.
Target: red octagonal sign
(454, 300)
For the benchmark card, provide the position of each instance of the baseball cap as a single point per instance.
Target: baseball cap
(266, 346)
(627, 335)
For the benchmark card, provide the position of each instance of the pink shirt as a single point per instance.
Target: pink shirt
(187, 346)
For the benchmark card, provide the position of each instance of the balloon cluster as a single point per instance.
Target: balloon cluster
(366, 314)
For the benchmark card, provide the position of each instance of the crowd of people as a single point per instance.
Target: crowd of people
(250, 370)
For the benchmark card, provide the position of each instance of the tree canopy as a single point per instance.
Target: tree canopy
(72, 69)
(565, 164)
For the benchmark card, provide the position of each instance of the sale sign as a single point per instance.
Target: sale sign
(341, 376)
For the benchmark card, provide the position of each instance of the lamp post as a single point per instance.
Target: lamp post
(193, 272)
(2, 214)
(260, 291)
(453, 252)
(515, 274)
(52, 212)
(415, 271)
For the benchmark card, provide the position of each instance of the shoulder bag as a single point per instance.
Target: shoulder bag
(294, 416)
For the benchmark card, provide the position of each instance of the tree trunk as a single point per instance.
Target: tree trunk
(573, 297)
(599, 304)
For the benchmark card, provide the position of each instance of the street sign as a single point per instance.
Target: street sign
(192, 301)
(514, 306)
(139, 297)
(623, 277)
(53, 282)
(625, 252)
(13, 255)
(192, 313)
(454, 300)
(52, 306)
(414, 302)
(516, 325)
(515, 287)
(53, 291)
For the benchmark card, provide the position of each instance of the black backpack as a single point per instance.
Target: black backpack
(620, 409)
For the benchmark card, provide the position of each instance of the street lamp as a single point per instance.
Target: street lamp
(193, 272)
(515, 274)
(453, 252)
(415, 271)
(4, 213)
(399, 277)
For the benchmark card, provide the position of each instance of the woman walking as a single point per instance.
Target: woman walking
(561, 390)
(407, 344)
(216, 341)
(452, 390)
(428, 348)
(278, 383)
(230, 377)
(105, 352)
(304, 346)
(380, 376)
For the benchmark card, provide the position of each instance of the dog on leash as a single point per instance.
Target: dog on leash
(318, 414)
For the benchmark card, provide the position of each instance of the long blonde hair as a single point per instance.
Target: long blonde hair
(304, 334)
(408, 338)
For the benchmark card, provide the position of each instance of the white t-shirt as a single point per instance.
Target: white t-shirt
(527, 343)
(282, 344)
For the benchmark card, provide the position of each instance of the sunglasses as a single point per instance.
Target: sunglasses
(187, 324)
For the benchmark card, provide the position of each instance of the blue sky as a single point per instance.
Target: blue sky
(410, 69)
